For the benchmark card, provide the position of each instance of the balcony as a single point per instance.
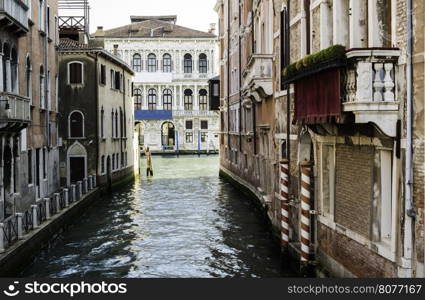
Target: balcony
(14, 13)
(194, 113)
(371, 88)
(164, 77)
(339, 86)
(15, 111)
(258, 81)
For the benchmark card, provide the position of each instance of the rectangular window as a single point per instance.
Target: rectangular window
(76, 73)
(44, 164)
(204, 124)
(30, 175)
(328, 179)
(48, 21)
(103, 74)
(41, 13)
(189, 124)
(117, 81)
(102, 164)
(204, 137)
(386, 197)
(189, 137)
(112, 79)
(216, 90)
(284, 40)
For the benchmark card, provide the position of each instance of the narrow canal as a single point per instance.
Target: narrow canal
(185, 222)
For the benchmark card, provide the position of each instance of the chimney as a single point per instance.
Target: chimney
(212, 28)
(99, 32)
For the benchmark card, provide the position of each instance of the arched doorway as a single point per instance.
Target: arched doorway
(168, 136)
(77, 163)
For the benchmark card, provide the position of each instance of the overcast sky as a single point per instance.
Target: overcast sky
(196, 14)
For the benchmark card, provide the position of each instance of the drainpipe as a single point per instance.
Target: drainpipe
(96, 78)
(46, 92)
(240, 75)
(228, 76)
(410, 213)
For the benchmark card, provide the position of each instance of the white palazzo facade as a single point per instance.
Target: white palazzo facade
(171, 94)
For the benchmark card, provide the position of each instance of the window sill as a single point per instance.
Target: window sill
(76, 138)
(76, 85)
(382, 248)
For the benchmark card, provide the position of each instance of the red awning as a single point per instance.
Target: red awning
(318, 97)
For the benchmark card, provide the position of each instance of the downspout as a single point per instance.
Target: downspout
(410, 212)
(123, 127)
(254, 104)
(228, 75)
(46, 94)
(96, 78)
(288, 95)
(240, 78)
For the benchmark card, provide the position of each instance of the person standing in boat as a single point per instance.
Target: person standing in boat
(149, 168)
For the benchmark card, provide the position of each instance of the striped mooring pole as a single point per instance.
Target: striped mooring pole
(305, 211)
(284, 194)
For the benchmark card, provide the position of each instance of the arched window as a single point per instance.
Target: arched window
(152, 99)
(203, 99)
(14, 70)
(137, 99)
(188, 100)
(42, 91)
(203, 63)
(75, 72)
(76, 125)
(168, 99)
(121, 123)
(102, 123)
(188, 63)
(102, 163)
(116, 124)
(166, 63)
(137, 63)
(6, 57)
(28, 70)
(112, 124)
(152, 63)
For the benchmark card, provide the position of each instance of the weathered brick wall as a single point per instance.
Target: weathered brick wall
(353, 188)
(356, 258)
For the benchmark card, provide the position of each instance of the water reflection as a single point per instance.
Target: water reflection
(185, 222)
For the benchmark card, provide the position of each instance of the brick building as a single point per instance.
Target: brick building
(326, 85)
(28, 76)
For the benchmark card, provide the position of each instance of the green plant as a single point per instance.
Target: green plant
(332, 53)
